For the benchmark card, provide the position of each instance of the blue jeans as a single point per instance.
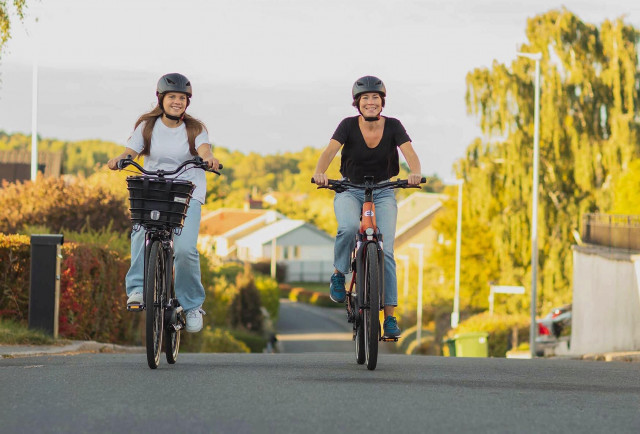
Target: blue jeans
(189, 289)
(348, 207)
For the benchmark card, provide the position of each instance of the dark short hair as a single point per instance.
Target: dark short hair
(356, 102)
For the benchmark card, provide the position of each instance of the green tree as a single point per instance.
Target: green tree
(627, 191)
(588, 137)
(5, 21)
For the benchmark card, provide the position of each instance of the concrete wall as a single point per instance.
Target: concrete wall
(606, 300)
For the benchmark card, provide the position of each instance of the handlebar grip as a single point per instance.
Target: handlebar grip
(220, 167)
(313, 181)
(423, 180)
(120, 164)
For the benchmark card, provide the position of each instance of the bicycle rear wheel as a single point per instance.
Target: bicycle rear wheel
(154, 299)
(371, 313)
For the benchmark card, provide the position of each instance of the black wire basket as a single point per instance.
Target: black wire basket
(159, 201)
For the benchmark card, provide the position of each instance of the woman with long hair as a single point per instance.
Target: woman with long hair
(167, 136)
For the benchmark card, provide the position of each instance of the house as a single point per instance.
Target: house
(306, 250)
(415, 215)
(220, 229)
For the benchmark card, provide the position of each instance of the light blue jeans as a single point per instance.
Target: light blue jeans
(348, 207)
(189, 289)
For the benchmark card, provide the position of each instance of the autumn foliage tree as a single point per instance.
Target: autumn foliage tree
(590, 86)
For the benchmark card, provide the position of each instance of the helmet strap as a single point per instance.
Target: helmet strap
(369, 118)
(167, 115)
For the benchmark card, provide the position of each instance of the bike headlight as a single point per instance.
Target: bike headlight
(369, 231)
(155, 215)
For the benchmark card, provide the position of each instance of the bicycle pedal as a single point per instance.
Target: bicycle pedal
(389, 338)
(135, 307)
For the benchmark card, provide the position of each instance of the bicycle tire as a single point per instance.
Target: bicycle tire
(360, 349)
(371, 315)
(154, 289)
(171, 335)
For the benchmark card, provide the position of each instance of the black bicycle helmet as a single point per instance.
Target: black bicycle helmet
(368, 83)
(174, 82)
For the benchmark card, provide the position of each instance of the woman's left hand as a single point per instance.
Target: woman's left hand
(211, 161)
(414, 178)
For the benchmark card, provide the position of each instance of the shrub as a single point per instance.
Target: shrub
(92, 295)
(255, 342)
(499, 327)
(58, 205)
(264, 267)
(245, 307)
(311, 297)
(212, 340)
(269, 295)
(15, 263)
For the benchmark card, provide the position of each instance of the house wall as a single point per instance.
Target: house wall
(606, 300)
(422, 233)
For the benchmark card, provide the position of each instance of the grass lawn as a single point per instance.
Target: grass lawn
(312, 286)
(13, 333)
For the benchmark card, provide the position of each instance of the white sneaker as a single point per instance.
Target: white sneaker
(135, 298)
(194, 319)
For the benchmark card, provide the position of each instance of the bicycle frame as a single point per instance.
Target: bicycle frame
(367, 234)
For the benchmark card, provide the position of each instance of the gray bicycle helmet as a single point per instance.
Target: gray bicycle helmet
(368, 83)
(174, 82)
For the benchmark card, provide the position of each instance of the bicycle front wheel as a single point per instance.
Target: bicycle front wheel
(371, 313)
(172, 316)
(154, 299)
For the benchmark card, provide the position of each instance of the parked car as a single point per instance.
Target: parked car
(554, 328)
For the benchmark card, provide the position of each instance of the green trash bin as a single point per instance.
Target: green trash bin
(472, 344)
(450, 345)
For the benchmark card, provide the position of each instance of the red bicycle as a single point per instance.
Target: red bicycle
(367, 263)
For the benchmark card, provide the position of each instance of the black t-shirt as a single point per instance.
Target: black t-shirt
(358, 160)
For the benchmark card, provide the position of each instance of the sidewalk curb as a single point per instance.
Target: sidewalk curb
(13, 351)
(630, 356)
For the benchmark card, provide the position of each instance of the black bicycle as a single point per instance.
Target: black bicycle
(159, 205)
(367, 263)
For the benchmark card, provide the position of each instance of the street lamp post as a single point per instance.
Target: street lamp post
(534, 208)
(455, 315)
(420, 248)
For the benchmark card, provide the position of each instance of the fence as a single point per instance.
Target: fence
(619, 231)
(309, 271)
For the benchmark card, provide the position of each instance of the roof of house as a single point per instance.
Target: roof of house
(223, 220)
(277, 230)
(415, 208)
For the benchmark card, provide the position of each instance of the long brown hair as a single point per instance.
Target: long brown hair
(193, 125)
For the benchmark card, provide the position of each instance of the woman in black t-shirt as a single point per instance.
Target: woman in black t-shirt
(370, 144)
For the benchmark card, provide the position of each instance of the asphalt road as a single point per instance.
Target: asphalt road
(315, 386)
(316, 392)
(303, 328)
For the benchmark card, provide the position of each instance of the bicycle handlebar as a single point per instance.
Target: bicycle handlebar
(196, 162)
(339, 185)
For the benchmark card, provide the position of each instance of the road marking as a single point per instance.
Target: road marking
(316, 337)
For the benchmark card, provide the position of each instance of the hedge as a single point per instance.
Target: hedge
(92, 294)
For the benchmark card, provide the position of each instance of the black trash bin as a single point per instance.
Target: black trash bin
(44, 290)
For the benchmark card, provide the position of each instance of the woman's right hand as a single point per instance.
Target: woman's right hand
(113, 163)
(321, 179)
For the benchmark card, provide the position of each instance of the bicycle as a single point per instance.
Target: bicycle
(367, 261)
(159, 204)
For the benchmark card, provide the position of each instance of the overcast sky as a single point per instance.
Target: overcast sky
(268, 75)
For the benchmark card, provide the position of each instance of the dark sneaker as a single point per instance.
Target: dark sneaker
(391, 328)
(337, 292)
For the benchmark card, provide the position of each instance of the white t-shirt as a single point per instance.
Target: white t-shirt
(170, 148)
